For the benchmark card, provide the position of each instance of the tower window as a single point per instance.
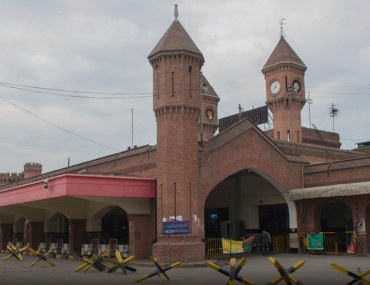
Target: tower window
(173, 83)
(157, 74)
(278, 134)
(286, 83)
(190, 70)
(288, 135)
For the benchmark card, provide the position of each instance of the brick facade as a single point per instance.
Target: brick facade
(187, 169)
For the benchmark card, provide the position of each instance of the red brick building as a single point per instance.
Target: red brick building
(241, 180)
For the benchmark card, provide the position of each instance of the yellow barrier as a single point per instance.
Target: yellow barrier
(330, 242)
(232, 271)
(15, 251)
(121, 263)
(159, 271)
(285, 273)
(96, 262)
(41, 256)
(214, 248)
(359, 279)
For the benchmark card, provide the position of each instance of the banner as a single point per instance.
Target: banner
(315, 241)
(360, 227)
(232, 246)
(359, 230)
(352, 246)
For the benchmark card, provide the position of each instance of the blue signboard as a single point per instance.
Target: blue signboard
(176, 228)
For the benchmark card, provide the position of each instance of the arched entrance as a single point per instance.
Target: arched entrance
(19, 230)
(336, 217)
(246, 203)
(57, 228)
(336, 220)
(114, 225)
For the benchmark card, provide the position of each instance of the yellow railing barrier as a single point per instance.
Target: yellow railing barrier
(334, 242)
(214, 247)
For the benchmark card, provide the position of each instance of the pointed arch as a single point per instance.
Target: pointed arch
(57, 227)
(19, 229)
(114, 224)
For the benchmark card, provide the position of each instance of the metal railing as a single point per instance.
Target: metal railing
(334, 242)
(215, 250)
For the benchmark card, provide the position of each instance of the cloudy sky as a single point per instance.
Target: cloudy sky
(51, 48)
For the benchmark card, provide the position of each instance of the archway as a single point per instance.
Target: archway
(245, 203)
(57, 228)
(336, 218)
(114, 225)
(19, 229)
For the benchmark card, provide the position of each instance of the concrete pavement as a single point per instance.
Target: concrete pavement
(258, 269)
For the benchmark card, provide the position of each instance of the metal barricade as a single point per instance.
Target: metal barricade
(279, 243)
(334, 242)
(331, 243)
(214, 248)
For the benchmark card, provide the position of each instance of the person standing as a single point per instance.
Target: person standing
(265, 240)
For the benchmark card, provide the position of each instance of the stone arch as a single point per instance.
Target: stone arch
(57, 227)
(99, 214)
(336, 216)
(244, 203)
(113, 224)
(292, 212)
(19, 229)
(326, 207)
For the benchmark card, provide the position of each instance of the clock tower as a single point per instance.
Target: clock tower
(285, 91)
(177, 63)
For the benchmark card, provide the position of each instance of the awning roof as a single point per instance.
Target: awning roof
(79, 185)
(338, 190)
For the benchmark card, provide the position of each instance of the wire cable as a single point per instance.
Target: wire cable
(57, 126)
(43, 90)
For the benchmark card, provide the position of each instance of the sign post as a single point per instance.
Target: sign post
(176, 228)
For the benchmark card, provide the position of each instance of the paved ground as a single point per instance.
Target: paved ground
(258, 269)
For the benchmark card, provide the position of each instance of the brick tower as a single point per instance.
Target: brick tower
(285, 91)
(177, 62)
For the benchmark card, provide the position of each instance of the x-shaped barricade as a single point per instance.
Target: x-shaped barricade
(15, 251)
(121, 263)
(41, 256)
(232, 272)
(159, 270)
(357, 279)
(96, 262)
(285, 274)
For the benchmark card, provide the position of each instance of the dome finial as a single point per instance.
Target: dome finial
(176, 12)
(281, 22)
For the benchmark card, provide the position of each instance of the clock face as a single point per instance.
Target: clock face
(204, 87)
(296, 86)
(209, 114)
(275, 87)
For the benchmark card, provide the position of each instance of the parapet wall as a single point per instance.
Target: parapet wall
(9, 177)
(31, 169)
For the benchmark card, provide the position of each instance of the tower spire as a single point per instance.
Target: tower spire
(281, 22)
(176, 12)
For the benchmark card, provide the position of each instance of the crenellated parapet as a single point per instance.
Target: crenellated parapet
(32, 169)
(10, 177)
